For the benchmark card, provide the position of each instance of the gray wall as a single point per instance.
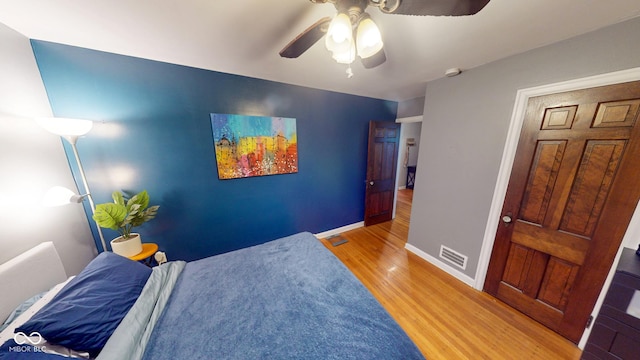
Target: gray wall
(412, 107)
(32, 161)
(464, 129)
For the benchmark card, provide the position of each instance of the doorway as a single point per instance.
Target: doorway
(410, 128)
(396, 144)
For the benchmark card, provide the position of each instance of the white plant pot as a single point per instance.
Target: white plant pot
(127, 247)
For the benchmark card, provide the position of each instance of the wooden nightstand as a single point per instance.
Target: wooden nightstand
(148, 250)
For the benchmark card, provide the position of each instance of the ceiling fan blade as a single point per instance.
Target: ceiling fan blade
(374, 60)
(306, 39)
(440, 7)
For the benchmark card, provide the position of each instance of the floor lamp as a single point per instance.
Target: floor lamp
(71, 129)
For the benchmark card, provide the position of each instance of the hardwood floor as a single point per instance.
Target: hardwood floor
(445, 318)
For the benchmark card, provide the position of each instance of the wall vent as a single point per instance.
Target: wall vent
(453, 257)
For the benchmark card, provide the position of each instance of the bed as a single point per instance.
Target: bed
(289, 298)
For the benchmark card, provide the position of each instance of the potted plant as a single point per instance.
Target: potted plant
(123, 215)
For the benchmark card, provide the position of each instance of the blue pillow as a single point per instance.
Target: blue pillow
(84, 314)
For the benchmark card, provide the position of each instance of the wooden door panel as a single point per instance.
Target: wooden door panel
(378, 154)
(381, 202)
(560, 245)
(383, 159)
(518, 263)
(543, 313)
(388, 160)
(540, 276)
(536, 270)
(591, 186)
(617, 114)
(559, 118)
(545, 167)
(521, 267)
(571, 195)
(557, 282)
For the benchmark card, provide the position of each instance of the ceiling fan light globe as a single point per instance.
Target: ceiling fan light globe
(345, 57)
(368, 38)
(340, 34)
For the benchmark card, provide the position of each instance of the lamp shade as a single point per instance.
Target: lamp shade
(58, 196)
(368, 38)
(340, 34)
(66, 126)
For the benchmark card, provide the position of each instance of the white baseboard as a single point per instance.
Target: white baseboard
(401, 187)
(339, 230)
(442, 265)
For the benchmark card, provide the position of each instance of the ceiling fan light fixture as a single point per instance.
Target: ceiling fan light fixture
(340, 34)
(368, 37)
(352, 25)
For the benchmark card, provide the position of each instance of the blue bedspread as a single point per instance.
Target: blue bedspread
(286, 299)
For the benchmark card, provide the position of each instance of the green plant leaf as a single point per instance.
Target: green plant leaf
(118, 198)
(110, 215)
(150, 213)
(133, 215)
(125, 214)
(142, 199)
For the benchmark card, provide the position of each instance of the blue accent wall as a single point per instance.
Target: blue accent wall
(153, 132)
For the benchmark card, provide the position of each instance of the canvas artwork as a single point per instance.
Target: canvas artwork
(254, 145)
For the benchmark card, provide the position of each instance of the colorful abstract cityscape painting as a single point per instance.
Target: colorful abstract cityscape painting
(249, 146)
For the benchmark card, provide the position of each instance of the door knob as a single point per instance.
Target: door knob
(371, 183)
(506, 219)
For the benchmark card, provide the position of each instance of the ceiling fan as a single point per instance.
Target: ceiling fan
(353, 32)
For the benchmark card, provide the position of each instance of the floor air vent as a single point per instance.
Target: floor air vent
(453, 257)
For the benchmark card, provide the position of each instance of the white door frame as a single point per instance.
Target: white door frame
(508, 155)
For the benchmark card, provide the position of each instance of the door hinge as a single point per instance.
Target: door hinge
(589, 321)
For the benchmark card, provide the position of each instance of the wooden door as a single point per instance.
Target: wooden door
(382, 159)
(572, 191)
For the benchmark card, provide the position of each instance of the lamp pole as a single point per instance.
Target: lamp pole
(72, 140)
(71, 129)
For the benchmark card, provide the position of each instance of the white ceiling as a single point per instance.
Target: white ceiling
(244, 36)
